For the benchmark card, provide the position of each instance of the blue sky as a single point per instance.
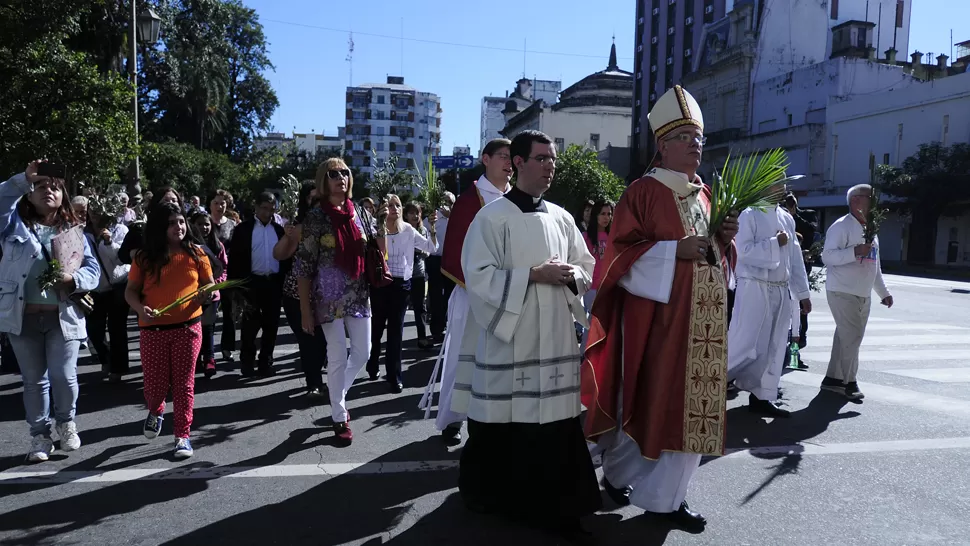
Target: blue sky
(564, 40)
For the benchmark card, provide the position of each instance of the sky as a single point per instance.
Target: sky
(463, 51)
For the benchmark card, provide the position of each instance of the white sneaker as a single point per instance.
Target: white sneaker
(68, 434)
(40, 449)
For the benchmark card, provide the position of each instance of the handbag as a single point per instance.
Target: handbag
(375, 264)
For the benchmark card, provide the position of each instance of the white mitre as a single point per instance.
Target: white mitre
(676, 108)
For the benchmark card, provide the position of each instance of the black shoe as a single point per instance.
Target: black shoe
(619, 495)
(732, 386)
(425, 344)
(374, 376)
(852, 391)
(685, 518)
(801, 366)
(247, 372)
(833, 385)
(764, 407)
(397, 388)
(267, 371)
(571, 530)
(451, 435)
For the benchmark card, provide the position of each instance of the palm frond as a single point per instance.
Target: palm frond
(748, 182)
(874, 217)
(431, 192)
(208, 289)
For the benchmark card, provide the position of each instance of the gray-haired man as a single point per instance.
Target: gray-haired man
(854, 271)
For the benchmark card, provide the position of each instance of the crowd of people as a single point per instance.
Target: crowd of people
(670, 313)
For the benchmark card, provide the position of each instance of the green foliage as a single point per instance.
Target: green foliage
(432, 193)
(387, 178)
(580, 176)
(748, 182)
(933, 178)
(191, 171)
(54, 103)
(204, 83)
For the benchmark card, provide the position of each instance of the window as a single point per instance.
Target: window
(789, 120)
(594, 141)
(900, 11)
(885, 159)
(380, 131)
(380, 146)
(560, 144)
(380, 99)
(835, 9)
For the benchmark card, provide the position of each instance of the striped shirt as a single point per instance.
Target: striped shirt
(181, 276)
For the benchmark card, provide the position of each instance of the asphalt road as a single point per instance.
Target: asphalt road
(889, 471)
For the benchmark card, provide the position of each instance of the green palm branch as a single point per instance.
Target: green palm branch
(225, 285)
(431, 192)
(753, 181)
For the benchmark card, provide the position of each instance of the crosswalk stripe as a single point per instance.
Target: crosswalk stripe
(920, 355)
(891, 327)
(938, 375)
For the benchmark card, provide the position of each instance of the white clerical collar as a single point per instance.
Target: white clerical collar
(677, 181)
(484, 185)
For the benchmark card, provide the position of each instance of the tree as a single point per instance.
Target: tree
(581, 177)
(204, 84)
(54, 102)
(931, 183)
(192, 171)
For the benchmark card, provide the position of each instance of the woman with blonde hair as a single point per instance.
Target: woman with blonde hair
(391, 301)
(332, 284)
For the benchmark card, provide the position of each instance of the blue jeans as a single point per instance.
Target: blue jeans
(47, 361)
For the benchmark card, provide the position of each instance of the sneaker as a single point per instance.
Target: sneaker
(833, 385)
(153, 425)
(41, 448)
(183, 448)
(343, 433)
(210, 368)
(852, 391)
(68, 434)
(227, 356)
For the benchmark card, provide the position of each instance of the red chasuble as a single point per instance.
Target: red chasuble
(674, 355)
(466, 207)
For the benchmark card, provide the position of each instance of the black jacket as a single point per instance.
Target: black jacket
(241, 252)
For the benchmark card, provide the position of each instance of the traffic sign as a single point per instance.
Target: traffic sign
(465, 161)
(443, 161)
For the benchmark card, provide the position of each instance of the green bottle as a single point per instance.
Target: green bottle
(793, 355)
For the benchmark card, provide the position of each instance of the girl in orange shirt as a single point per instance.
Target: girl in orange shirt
(167, 268)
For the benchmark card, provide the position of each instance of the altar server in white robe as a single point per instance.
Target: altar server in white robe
(771, 278)
(526, 269)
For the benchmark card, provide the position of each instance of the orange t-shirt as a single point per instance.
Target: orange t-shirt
(180, 277)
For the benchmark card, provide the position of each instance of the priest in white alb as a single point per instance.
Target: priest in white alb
(770, 273)
(526, 269)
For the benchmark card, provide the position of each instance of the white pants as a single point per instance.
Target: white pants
(851, 314)
(457, 318)
(658, 486)
(758, 337)
(341, 370)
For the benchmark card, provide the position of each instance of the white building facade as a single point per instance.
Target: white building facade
(391, 119)
(888, 127)
(496, 111)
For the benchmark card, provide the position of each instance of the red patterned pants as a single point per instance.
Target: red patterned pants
(168, 363)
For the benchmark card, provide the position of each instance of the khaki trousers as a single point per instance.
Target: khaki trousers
(851, 314)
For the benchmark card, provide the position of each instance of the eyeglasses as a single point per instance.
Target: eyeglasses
(335, 174)
(687, 137)
(543, 159)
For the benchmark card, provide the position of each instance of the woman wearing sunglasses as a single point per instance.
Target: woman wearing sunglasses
(333, 288)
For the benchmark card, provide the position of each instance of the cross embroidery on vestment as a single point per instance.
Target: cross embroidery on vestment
(522, 379)
(557, 376)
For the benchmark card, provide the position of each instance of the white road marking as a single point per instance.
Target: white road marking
(920, 355)
(879, 327)
(328, 471)
(939, 375)
(894, 396)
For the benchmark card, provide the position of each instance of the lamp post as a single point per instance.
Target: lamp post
(147, 25)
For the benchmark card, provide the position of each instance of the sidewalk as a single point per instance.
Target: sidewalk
(927, 271)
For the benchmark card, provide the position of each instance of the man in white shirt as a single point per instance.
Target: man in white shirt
(854, 271)
(252, 259)
(769, 271)
(438, 294)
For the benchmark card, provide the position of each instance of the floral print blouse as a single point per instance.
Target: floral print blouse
(335, 295)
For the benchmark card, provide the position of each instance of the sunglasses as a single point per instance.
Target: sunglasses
(335, 174)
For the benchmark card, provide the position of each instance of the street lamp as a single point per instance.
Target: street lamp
(146, 26)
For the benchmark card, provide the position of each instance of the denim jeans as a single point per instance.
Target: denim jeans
(48, 363)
